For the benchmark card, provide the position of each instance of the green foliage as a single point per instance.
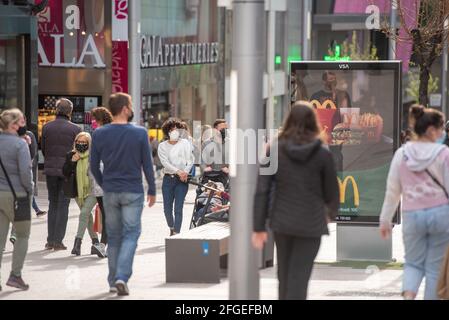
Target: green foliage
(413, 85)
(352, 50)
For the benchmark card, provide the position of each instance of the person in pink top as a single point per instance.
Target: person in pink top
(419, 176)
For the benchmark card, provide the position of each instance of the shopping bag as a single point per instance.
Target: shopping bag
(98, 224)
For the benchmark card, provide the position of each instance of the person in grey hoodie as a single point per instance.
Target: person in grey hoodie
(16, 160)
(419, 175)
(299, 200)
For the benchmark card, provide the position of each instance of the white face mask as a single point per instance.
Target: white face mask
(174, 135)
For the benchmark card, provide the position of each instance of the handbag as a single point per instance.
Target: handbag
(98, 223)
(69, 186)
(22, 205)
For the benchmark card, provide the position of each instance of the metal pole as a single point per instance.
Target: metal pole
(271, 41)
(393, 22)
(247, 74)
(307, 29)
(444, 107)
(134, 8)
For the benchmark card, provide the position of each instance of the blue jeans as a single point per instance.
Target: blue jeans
(426, 238)
(173, 190)
(35, 206)
(123, 225)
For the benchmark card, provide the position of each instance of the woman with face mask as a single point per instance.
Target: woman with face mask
(15, 175)
(419, 180)
(77, 164)
(176, 155)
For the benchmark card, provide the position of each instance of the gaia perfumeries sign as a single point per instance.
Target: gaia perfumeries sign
(158, 52)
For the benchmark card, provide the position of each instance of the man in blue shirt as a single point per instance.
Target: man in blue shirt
(125, 151)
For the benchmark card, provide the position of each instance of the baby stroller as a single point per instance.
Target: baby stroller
(212, 191)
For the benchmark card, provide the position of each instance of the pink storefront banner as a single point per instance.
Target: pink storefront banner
(119, 66)
(119, 46)
(403, 49)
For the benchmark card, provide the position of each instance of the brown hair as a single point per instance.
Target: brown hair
(117, 101)
(301, 125)
(170, 124)
(219, 121)
(421, 118)
(102, 115)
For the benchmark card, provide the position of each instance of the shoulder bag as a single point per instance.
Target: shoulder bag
(22, 205)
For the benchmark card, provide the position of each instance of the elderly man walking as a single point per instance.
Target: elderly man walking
(57, 139)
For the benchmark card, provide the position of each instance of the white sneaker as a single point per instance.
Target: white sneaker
(122, 288)
(99, 250)
(112, 289)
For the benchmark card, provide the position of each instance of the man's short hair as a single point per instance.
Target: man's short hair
(117, 101)
(218, 122)
(64, 107)
(328, 73)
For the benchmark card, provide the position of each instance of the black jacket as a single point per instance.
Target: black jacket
(57, 139)
(297, 198)
(69, 172)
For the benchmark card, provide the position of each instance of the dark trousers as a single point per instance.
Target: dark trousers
(174, 191)
(58, 210)
(104, 234)
(295, 263)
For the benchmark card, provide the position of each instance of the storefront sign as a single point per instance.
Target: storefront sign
(71, 36)
(119, 46)
(159, 52)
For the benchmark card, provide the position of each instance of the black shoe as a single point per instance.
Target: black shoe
(92, 249)
(49, 246)
(59, 246)
(12, 239)
(76, 247)
(41, 213)
(172, 232)
(17, 282)
(122, 288)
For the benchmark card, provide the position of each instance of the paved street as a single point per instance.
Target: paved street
(57, 275)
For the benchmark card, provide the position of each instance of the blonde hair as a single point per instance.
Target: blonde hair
(8, 117)
(83, 134)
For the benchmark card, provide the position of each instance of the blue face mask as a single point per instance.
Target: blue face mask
(442, 139)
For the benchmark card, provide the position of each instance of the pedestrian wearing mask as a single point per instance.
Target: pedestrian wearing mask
(176, 156)
(16, 177)
(77, 164)
(30, 139)
(102, 117)
(419, 175)
(215, 150)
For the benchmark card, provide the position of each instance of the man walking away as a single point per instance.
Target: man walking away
(57, 139)
(124, 150)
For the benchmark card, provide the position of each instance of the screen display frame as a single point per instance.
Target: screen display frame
(396, 67)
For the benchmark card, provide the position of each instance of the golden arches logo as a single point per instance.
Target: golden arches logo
(343, 186)
(324, 105)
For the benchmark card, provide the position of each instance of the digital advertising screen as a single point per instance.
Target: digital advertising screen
(358, 107)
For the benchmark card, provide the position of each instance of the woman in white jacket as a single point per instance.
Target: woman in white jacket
(176, 156)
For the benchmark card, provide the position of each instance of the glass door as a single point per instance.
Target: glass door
(12, 72)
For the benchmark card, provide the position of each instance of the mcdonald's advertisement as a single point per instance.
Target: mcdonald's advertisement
(357, 106)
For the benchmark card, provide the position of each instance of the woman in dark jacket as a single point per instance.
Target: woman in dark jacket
(299, 200)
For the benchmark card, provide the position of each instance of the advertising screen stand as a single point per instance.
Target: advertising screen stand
(357, 104)
(362, 243)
